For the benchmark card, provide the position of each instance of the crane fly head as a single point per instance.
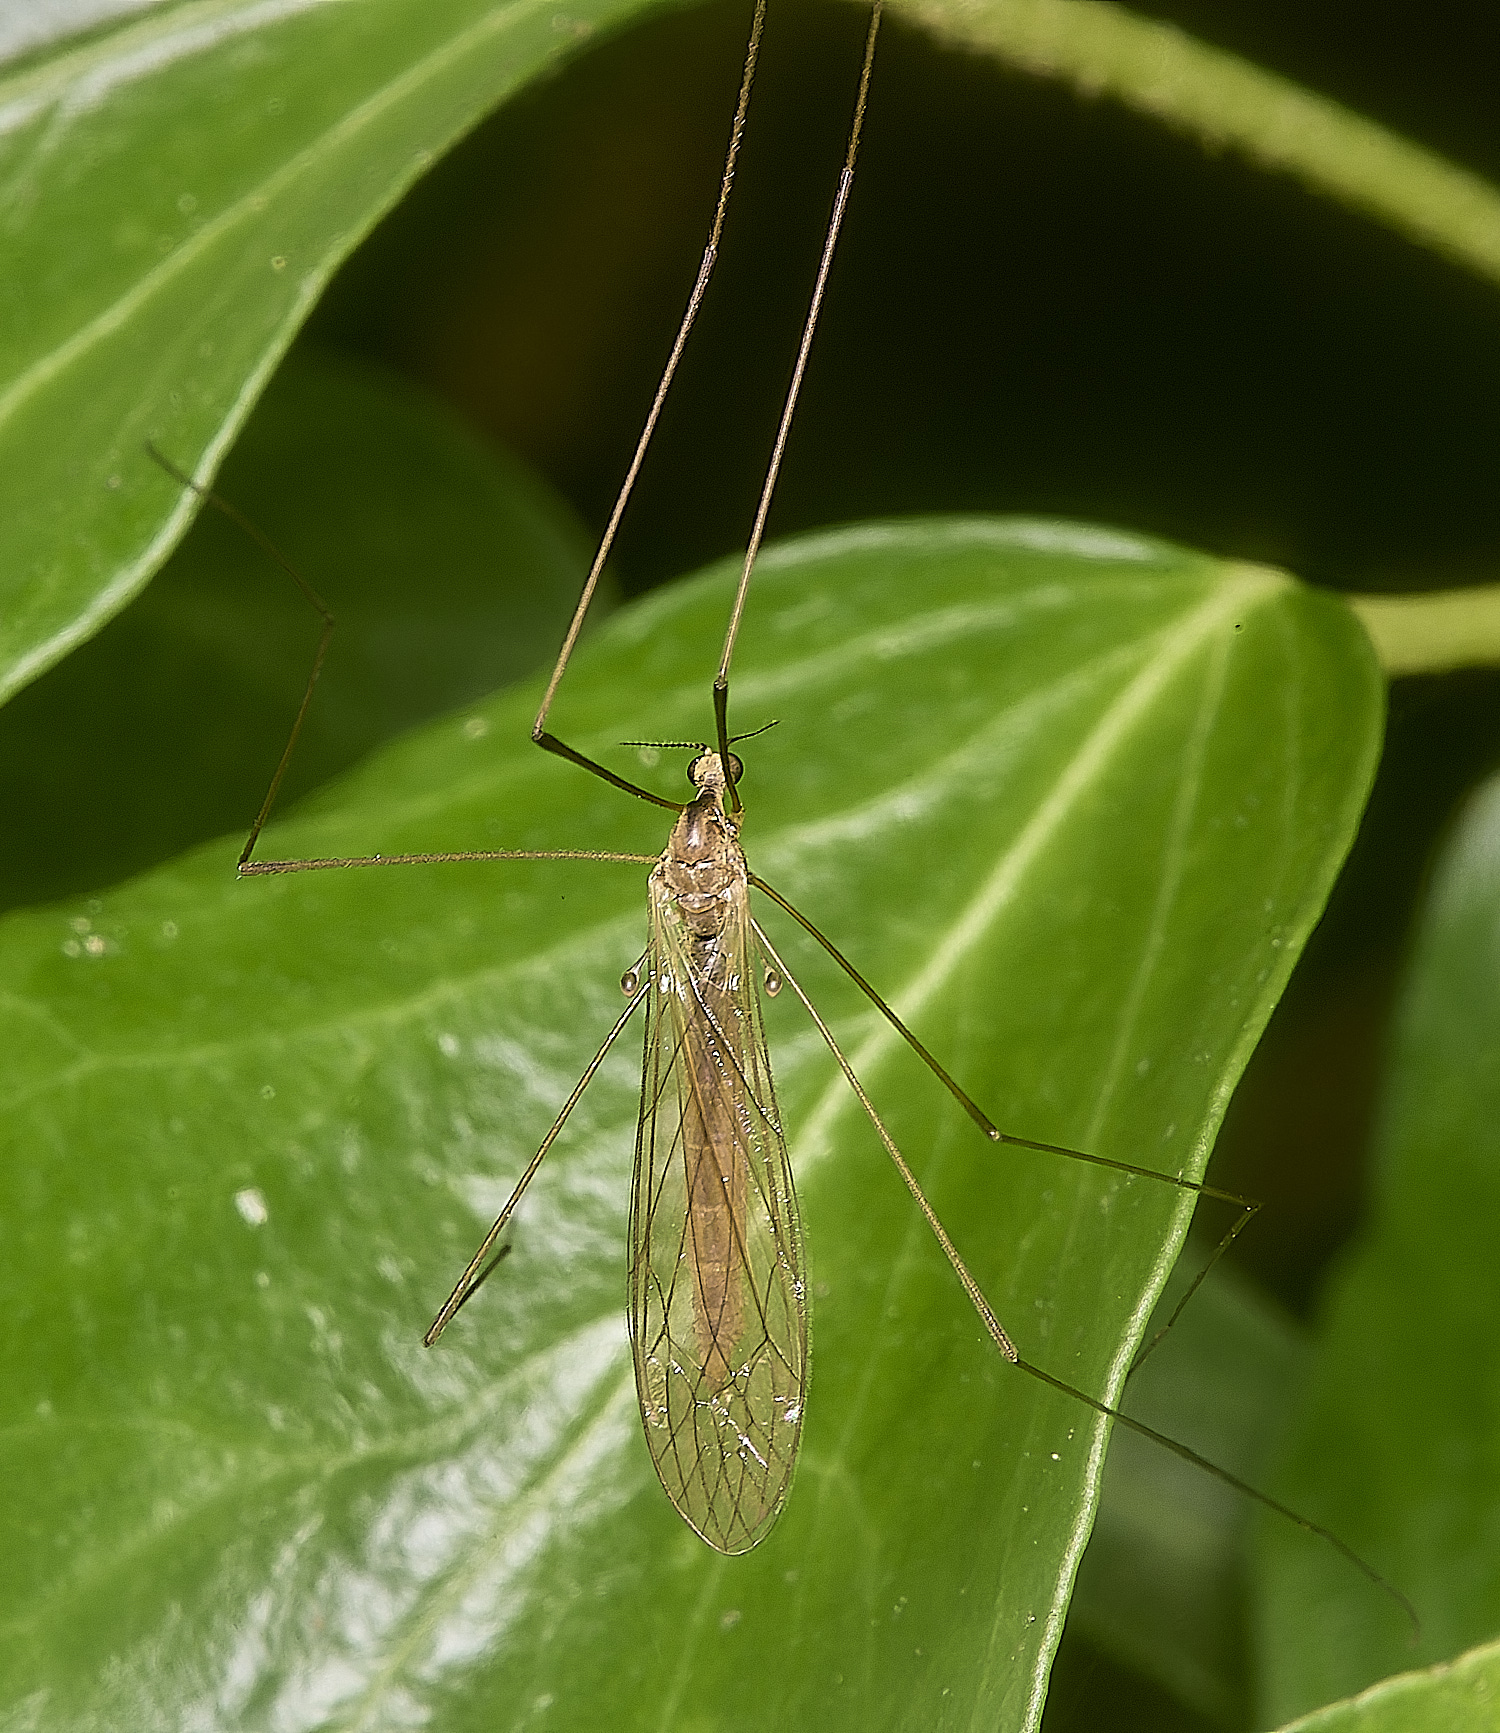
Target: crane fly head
(707, 770)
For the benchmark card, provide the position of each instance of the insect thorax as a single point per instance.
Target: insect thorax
(701, 873)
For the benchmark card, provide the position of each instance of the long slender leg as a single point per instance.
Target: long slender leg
(479, 1264)
(950, 1251)
(778, 450)
(1249, 1207)
(1003, 1342)
(325, 637)
(322, 863)
(249, 868)
(550, 742)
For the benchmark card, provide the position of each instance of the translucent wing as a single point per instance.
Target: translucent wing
(718, 1313)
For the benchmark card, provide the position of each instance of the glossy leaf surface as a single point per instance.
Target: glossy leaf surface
(177, 193)
(1073, 800)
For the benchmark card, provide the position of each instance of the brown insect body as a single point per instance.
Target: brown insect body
(718, 1308)
(701, 876)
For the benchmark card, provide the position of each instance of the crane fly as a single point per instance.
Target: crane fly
(718, 1291)
(718, 1287)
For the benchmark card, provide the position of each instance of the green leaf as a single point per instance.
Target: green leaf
(178, 192)
(449, 566)
(1073, 800)
(1453, 1697)
(1163, 1585)
(1396, 1448)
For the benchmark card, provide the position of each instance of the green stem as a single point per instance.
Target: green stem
(1434, 633)
(1227, 102)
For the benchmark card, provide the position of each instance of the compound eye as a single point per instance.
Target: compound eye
(695, 770)
(736, 766)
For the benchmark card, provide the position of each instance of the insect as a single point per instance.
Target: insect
(718, 1285)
